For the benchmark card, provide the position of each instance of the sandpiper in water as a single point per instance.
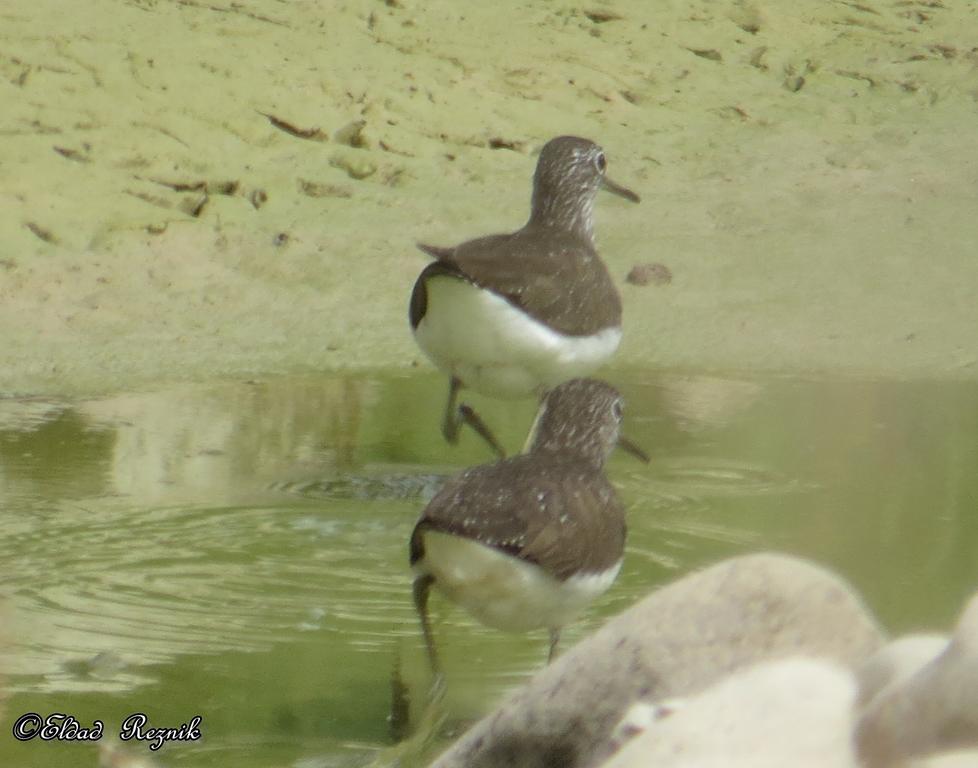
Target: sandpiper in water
(514, 315)
(528, 542)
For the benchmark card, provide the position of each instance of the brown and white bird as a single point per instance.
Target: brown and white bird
(528, 542)
(513, 315)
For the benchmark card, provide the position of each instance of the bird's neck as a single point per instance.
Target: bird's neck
(591, 456)
(565, 213)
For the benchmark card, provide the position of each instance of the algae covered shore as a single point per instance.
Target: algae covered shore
(195, 189)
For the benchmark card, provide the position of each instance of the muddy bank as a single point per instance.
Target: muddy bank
(190, 189)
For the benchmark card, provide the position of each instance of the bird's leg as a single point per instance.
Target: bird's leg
(422, 587)
(474, 420)
(455, 417)
(554, 640)
(411, 741)
(398, 721)
(450, 424)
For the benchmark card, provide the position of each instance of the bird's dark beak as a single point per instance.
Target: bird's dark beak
(629, 447)
(617, 189)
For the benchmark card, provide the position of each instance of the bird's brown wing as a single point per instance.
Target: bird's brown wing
(553, 279)
(482, 504)
(445, 265)
(522, 508)
(590, 541)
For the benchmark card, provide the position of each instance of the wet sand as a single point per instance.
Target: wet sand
(199, 188)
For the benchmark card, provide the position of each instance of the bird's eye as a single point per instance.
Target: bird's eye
(600, 162)
(616, 409)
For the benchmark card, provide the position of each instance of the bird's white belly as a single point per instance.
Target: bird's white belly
(504, 592)
(496, 349)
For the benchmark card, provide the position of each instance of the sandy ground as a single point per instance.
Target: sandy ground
(191, 188)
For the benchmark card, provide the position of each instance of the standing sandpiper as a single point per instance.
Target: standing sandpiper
(527, 542)
(514, 315)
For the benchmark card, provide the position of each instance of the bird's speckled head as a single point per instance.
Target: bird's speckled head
(569, 174)
(581, 418)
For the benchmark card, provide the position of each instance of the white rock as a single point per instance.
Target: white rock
(676, 642)
(793, 712)
(895, 662)
(931, 711)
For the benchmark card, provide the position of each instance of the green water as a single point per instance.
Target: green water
(238, 551)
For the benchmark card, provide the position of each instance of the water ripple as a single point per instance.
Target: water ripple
(142, 586)
(401, 484)
(709, 477)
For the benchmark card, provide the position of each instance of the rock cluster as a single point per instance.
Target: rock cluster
(762, 660)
